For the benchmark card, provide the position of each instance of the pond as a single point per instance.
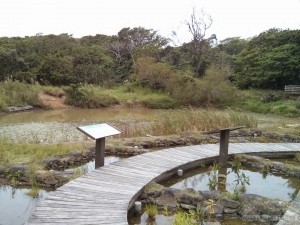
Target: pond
(267, 185)
(282, 187)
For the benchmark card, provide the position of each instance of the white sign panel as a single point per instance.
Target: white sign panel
(99, 130)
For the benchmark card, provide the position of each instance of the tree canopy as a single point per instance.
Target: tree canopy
(269, 60)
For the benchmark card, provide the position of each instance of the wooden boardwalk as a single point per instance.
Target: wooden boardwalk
(105, 195)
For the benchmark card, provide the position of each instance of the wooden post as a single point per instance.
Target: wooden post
(100, 152)
(224, 142)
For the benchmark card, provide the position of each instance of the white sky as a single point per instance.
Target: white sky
(231, 18)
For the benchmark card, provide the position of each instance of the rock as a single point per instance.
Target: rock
(188, 207)
(229, 203)
(153, 190)
(51, 180)
(189, 196)
(167, 198)
(2, 172)
(257, 205)
(19, 108)
(215, 195)
(16, 168)
(229, 210)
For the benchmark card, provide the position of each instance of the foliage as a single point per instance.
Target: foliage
(263, 102)
(152, 74)
(213, 178)
(17, 93)
(271, 60)
(87, 97)
(151, 211)
(24, 153)
(183, 218)
(34, 192)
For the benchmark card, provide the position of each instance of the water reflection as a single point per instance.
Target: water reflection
(270, 186)
(16, 206)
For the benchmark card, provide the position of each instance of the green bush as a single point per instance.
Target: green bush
(152, 74)
(88, 96)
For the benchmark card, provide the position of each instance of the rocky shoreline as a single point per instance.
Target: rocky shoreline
(248, 207)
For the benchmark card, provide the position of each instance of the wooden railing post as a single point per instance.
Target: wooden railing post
(224, 142)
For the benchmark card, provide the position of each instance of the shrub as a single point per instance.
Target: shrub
(152, 74)
(88, 96)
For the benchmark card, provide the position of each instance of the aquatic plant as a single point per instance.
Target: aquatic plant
(184, 218)
(213, 178)
(151, 211)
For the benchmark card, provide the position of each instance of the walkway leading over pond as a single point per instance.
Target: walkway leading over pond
(105, 195)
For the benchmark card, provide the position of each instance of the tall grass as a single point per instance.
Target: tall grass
(17, 93)
(178, 121)
(18, 153)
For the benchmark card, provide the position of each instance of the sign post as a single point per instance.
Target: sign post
(99, 132)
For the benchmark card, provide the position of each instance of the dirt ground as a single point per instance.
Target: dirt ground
(53, 102)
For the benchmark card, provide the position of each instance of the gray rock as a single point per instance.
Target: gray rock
(215, 195)
(187, 206)
(230, 210)
(167, 198)
(189, 196)
(229, 203)
(16, 168)
(52, 181)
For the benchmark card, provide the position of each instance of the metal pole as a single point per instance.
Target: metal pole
(100, 152)
(224, 142)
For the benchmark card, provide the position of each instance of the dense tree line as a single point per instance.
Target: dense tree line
(269, 60)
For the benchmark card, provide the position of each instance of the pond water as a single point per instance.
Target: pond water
(267, 185)
(283, 188)
(16, 206)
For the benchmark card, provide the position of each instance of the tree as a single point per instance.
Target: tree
(271, 60)
(198, 47)
(130, 44)
(56, 70)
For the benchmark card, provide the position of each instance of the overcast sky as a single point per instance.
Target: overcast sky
(231, 18)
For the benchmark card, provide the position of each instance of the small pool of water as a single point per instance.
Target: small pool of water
(16, 206)
(267, 185)
(281, 187)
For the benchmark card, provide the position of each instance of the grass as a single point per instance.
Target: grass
(151, 211)
(18, 94)
(32, 154)
(178, 121)
(184, 218)
(262, 101)
(89, 96)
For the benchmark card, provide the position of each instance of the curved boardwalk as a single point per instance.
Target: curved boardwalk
(105, 195)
